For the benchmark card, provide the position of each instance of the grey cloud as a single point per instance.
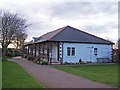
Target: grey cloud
(101, 28)
(73, 9)
(67, 11)
(36, 25)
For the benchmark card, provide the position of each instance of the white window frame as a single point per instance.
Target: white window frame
(71, 51)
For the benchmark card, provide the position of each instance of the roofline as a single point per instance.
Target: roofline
(69, 42)
(82, 42)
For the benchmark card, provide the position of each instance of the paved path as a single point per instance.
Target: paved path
(52, 78)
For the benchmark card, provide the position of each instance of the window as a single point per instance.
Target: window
(70, 51)
(95, 51)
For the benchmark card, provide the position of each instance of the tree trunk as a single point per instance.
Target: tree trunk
(4, 51)
(4, 47)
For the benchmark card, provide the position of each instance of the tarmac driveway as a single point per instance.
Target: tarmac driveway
(52, 78)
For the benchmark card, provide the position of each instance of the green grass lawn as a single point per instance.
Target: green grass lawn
(101, 73)
(13, 76)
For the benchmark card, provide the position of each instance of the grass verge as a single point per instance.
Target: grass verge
(13, 76)
(100, 73)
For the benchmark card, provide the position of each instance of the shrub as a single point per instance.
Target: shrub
(80, 61)
(17, 53)
(9, 52)
(66, 62)
(37, 62)
(3, 59)
(77, 63)
(89, 61)
(44, 63)
(25, 55)
(30, 57)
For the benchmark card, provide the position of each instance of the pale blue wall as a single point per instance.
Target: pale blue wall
(81, 51)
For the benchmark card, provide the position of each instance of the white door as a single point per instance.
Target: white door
(89, 53)
(54, 54)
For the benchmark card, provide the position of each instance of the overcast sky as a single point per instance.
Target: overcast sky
(98, 18)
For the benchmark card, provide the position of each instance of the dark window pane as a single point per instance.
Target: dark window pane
(68, 51)
(73, 51)
(95, 51)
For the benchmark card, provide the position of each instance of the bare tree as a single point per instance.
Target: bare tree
(11, 25)
(19, 40)
(117, 52)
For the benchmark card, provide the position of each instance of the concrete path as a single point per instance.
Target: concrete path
(52, 78)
